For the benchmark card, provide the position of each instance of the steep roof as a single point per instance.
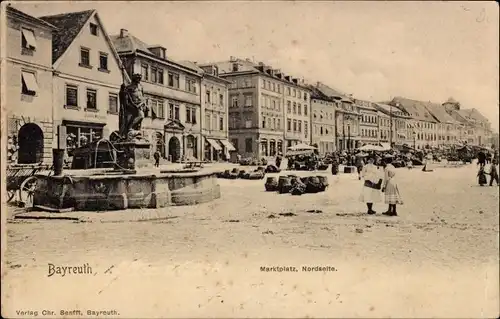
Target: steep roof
(19, 13)
(131, 44)
(415, 108)
(318, 94)
(439, 112)
(69, 26)
(329, 91)
(473, 114)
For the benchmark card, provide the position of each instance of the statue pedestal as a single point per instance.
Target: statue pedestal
(131, 155)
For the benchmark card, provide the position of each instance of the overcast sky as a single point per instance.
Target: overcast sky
(373, 50)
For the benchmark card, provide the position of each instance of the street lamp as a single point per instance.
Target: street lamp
(414, 140)
(348, 136)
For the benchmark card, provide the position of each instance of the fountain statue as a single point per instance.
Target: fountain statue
(133, 149)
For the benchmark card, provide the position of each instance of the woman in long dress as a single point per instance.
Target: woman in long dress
(370, 193)
(392, 196)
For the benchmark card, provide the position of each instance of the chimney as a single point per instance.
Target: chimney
(232, 59)
(123, 33)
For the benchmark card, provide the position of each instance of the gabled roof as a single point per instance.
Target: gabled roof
(439, 112)
(20, 14)
(318, 94)
(386, 109)
(473, 114)
(415, 108)
(131, 44)
(69, 26)
(331, 92)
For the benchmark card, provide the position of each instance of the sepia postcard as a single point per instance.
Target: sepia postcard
(239, 159)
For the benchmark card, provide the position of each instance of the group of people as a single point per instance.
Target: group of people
(493, 172)
(376, 183)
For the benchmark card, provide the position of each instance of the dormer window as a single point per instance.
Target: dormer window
(94, 30)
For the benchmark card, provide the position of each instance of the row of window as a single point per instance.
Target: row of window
(320, 130)
(235, 122)
(155, 74)
(297, 126)
(369, 133)
(85, 59)
(214, 122)
(271, 123)
(271, 103)
(296, 108)
(210, 100)
(247, 101)
(91, 98)
(322, 116)
(277, 87)
(369, 119)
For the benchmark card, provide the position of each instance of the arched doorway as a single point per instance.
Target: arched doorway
(160, 144)
(191, 146)
(174, 149)
(30, 138)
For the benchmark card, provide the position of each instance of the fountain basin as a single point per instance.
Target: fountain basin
(101, 189)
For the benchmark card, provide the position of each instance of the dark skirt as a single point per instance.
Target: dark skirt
(482, 179)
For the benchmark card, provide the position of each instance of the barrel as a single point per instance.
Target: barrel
(271, 184)
(284, 184)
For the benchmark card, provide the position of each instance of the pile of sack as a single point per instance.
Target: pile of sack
(235, 173)
(295, 185)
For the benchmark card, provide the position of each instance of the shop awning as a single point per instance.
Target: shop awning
(214, 144)
(228, 145)
(30, 81)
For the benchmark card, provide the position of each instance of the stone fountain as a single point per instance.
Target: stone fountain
(133, 182)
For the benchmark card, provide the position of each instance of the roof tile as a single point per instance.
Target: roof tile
(69, 26)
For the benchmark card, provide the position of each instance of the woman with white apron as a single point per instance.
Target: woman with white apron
(372, 185)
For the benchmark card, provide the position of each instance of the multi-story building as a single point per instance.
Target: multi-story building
(173, 123)
(28, 97)
(214, 107)
(448, 127)
(297, 113)
(322, 121)
(424, 124)
(476, 129)
(398, 132)
(87, 78)
(347, 119)
(368, 124)
(260, 124)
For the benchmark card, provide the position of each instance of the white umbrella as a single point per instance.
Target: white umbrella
(369, 147)
(301, 147)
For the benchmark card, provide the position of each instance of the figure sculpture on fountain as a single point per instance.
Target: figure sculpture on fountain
(132, 108)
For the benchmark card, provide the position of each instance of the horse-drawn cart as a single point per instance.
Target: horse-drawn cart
(21, 179)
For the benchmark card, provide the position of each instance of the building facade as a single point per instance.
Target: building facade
(173, 123)
(368, 125)
(28, 97)
(260, 123)
(400, 132)
(214, 108)
(87, 78)
(424, 125)
(322, 121)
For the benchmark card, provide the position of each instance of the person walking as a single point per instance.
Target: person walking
(156, 156)
(359, 166)
(481, 175)
(392, 196)
(493, 172)
(370, 193)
